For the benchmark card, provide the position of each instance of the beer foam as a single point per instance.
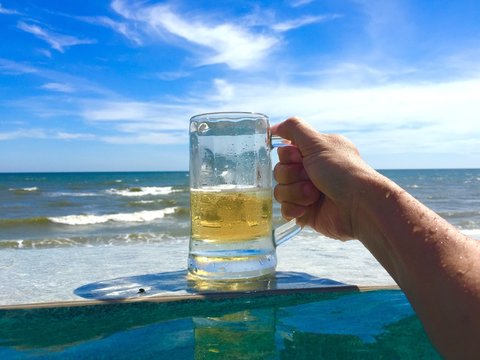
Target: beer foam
(228, 187)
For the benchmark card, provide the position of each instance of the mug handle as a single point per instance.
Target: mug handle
(290, 229)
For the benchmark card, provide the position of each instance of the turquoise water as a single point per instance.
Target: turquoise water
(350, 325)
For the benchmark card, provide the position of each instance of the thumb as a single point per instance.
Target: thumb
(301, 134)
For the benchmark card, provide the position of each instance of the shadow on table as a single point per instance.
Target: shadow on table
(177, 283)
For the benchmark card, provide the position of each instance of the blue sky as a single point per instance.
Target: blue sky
(96, 85)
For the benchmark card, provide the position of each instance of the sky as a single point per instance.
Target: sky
(111, 85)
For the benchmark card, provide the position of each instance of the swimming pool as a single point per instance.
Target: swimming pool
(303, 324)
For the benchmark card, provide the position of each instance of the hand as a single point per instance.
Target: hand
(318, 179)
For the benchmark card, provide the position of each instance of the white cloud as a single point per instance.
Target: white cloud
(156, 138)
(225, 90)
(136, 117)
(389, 26)
(6, 11)
(23, 133)
(306, 20)
(120, 27)
(380, 120)
(388, 119)
(64, 88)
(57, 41)
(14, 68)
(45, 52)
(74, 136)
(219, 43)
(172, 75)
(298, 3)
(57, 81)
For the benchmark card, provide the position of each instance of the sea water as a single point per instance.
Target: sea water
(59, 231)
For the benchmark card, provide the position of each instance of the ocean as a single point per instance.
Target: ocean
(59, 231)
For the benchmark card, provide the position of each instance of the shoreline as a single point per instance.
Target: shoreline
(57, 274)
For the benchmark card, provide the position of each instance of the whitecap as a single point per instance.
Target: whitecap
(26, 189)
(143, 191)
(79, 194)
(86, 219)
(473, 233)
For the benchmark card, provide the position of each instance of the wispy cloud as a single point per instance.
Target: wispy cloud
(9, 67)
(306, 20)
(442, 116)
(216, 43)
(298, 3)
(158, 138)
(23, 133)
(45, 52)
(226, 91)
(120, 27)
(145, 115)
(389, 26)
(64, 88)
(57, 81)
(6, 11)
(56, 40)
(137, 122)
(74, 136)
(43, 134)
(172, 75)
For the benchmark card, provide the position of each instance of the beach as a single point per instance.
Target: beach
(60, 232)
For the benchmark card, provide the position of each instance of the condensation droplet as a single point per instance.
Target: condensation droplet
(203, 128)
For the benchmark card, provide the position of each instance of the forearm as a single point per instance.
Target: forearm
(430, 260)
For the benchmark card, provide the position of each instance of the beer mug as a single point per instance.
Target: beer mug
(231, 197)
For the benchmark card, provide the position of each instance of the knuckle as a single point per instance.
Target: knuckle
(294, 121)
(276, 172)
(276, 191)
(285, 210)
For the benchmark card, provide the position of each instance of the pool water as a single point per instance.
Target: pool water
(304, 325)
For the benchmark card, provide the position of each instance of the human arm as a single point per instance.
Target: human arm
(323, 182)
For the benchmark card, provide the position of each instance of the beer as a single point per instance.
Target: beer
(231, 214)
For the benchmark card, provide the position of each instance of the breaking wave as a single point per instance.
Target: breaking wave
(90, 241)
(25, 190)
(92, 219)
(139, 216)
(143, 191)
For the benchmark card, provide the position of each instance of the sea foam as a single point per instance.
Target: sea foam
(139, 216)
(143, 191)
(24, 190)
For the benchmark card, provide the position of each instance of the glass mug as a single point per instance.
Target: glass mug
(232, 236)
